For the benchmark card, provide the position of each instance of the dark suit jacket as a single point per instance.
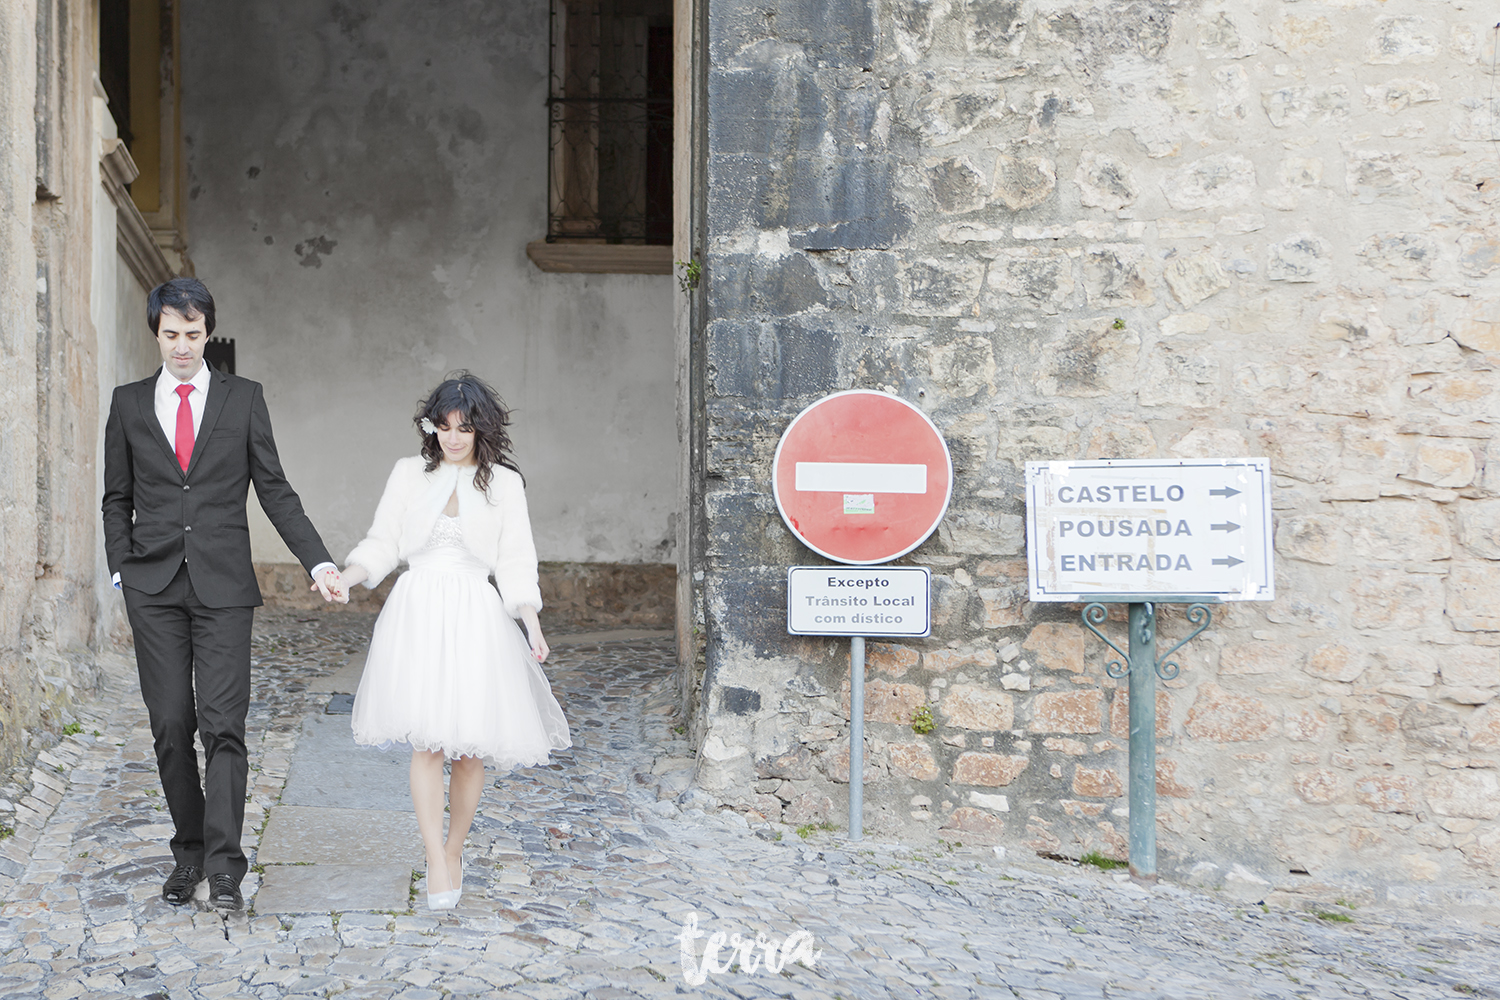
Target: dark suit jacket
(155, 514)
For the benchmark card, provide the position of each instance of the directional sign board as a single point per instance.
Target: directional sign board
(862, 477)
(1138, 529)
(840, 600)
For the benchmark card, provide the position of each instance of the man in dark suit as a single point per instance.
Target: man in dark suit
(181, 450)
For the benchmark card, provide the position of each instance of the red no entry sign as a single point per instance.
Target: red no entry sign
(862, 477)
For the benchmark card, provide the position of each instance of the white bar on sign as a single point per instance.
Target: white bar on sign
(860, 477)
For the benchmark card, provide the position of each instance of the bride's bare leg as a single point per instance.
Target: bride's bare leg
(427, 798)
(465, 785)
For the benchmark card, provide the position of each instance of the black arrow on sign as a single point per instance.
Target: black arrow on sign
(1228, 561)
(1226, 526)
(1228, 491)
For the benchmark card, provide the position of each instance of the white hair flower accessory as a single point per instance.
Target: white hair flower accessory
(428, 427)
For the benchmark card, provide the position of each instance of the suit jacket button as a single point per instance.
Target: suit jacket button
(188, 528)
(186, 486)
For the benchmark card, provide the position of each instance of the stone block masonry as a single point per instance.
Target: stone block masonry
(595, 595)
(1144, 230)
(49, 350)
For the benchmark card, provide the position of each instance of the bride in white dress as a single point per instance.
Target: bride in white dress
(448, 673)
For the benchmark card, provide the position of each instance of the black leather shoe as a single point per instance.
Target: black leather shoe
(181, 884)
(224, 893)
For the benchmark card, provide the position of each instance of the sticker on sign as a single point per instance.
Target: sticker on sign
(840, 600)
(1138, 529)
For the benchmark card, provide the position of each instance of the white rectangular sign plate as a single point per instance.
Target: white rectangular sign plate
(860, 477)
(1148, 528)
(857, 600)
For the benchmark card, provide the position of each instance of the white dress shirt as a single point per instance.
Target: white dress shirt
(167, 402)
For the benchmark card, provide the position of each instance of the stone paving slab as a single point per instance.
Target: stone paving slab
(583, 879)
(328, 769)
(344, 680)
(321, 835)
(341, 888)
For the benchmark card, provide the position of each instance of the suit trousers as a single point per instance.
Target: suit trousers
(194, 665)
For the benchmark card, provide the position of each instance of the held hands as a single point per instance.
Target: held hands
(332, 585)
(336, 586)
(539, 647)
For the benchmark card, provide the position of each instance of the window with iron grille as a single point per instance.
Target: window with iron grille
(609, 175)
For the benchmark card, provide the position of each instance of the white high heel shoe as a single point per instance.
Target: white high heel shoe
(442, 900)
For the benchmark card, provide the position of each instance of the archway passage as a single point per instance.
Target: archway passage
(364, 184)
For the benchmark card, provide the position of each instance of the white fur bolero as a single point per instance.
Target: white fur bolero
(495, 527)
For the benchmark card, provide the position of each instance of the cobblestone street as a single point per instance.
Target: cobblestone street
(581, 881)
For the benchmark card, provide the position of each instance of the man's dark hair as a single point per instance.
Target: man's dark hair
(187, 296)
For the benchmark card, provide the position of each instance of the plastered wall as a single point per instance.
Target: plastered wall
(364, 180)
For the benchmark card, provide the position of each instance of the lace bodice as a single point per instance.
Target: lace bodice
(445, 532)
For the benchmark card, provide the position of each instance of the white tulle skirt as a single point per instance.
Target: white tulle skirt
(448, 670)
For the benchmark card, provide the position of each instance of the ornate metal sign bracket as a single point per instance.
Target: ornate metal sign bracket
(1139, 662)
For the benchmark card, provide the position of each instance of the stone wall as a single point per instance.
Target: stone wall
(18, 374)
(47, 371)
(1073, 230)
(574, 595)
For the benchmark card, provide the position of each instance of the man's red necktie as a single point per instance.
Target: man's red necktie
(184, 428)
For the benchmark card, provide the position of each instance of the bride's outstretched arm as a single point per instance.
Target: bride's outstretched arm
(353, 574)
(379, 553)
(534, 633)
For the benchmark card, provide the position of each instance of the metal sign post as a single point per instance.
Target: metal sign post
(861, 478)
(859, 601)
(1140, 664)
(857, 738)
(1147, 532)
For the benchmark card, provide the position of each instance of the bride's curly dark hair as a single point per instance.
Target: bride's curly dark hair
(482, 409)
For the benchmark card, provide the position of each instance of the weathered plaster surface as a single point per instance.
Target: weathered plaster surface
(48, 393)
(125, 351)
(364, 181)
(1289, 208)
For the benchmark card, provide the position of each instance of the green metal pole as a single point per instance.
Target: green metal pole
(1139, 663)
(1143, 742)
